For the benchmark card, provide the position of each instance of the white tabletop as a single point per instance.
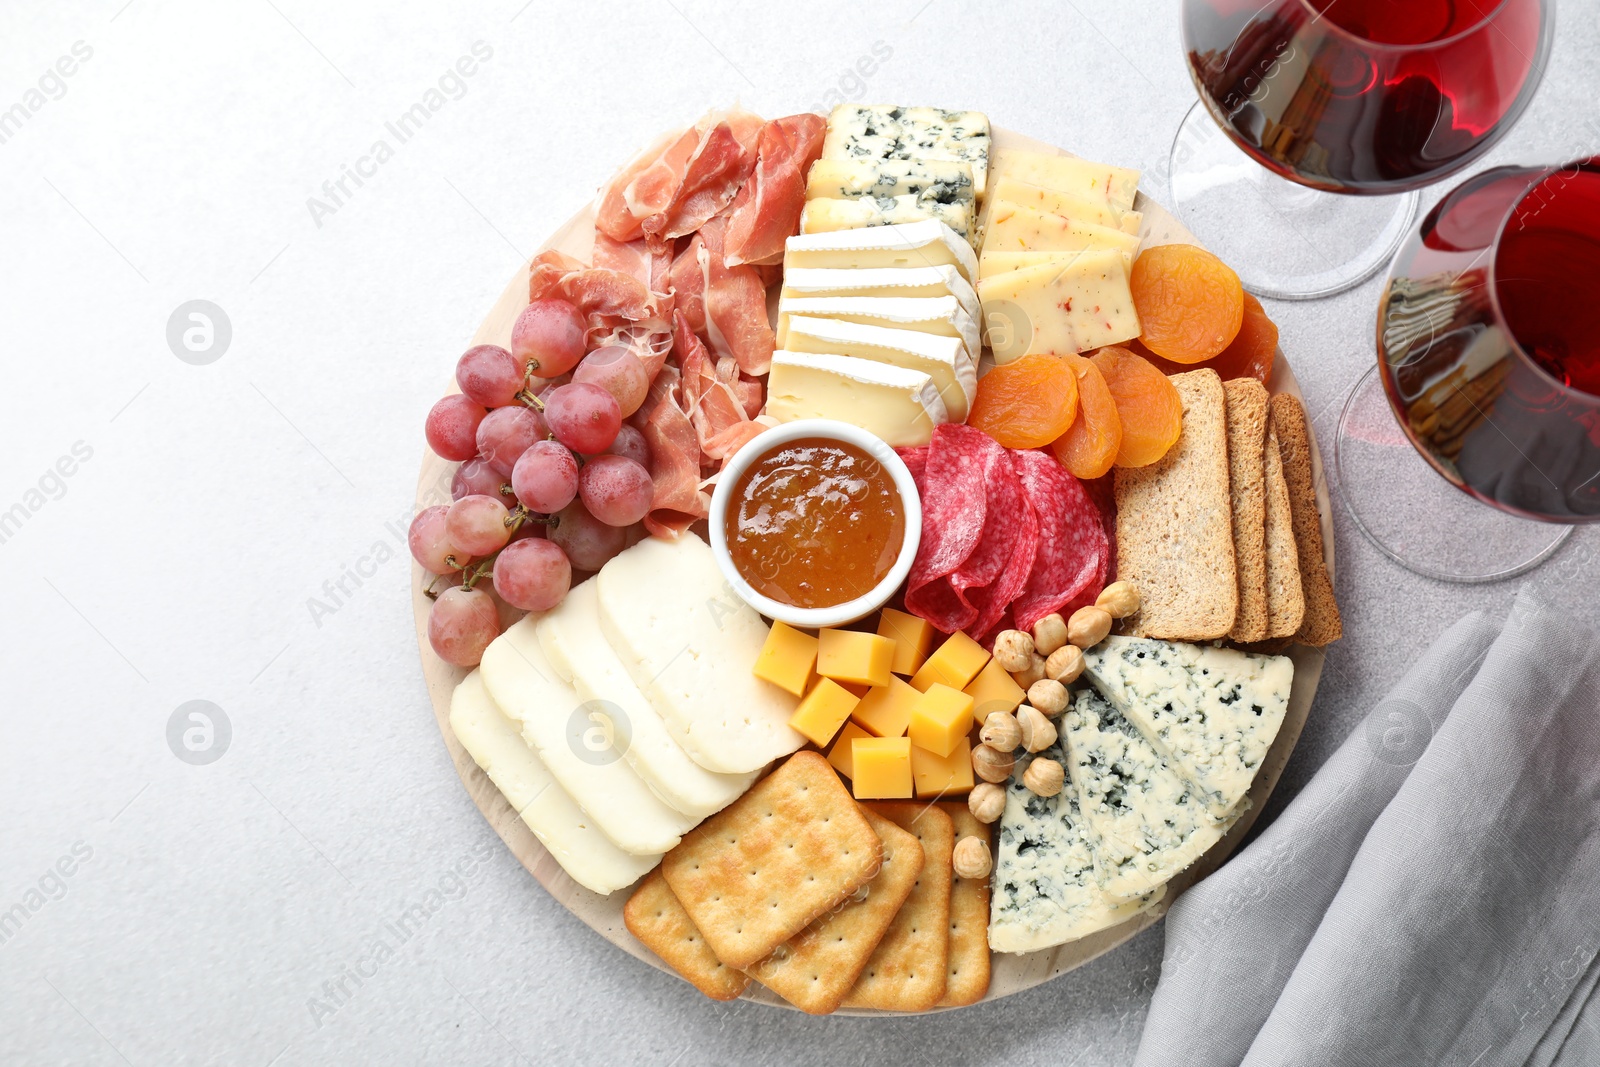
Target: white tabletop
(233, 532)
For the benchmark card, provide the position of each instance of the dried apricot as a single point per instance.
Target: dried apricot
(1249, 356)
(1148, 405)
(1089, 446)
(1026, 403)
(1190, 303)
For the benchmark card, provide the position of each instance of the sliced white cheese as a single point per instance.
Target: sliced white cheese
(901, 406)
(1021, 229)
(496, 745)
(1044, 891)
(1116, 187)
(929, 243)
(574, 741)
(572, 641)
(689, 644)
(1212, 712)
(938, 180)
(1146, 823)
(880, 281)
(942, 316)
(992, 263)
(884, 131)
(825, 216)
(1078, 306)
(947, 360)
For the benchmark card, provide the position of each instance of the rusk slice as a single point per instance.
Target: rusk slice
(657, 919)
(1286, 601)
(906, 972)
(1247, 449)
(1321, 625)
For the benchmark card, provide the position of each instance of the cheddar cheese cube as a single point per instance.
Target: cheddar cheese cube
(853, 656)
(882, 768)
(955, 664)
(823, 711)
(886, 709)
(940, 719)
(787, 658)
(912, 637)
(993, 690)
(840, 755)
(932, 774)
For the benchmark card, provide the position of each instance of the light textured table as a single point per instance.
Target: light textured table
(234, 532)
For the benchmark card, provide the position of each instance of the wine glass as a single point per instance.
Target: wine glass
(1318, 98)
(1489, 357)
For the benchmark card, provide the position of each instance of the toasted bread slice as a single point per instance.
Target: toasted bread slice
(1247, 458)
(1286, 600)
(1321, 625)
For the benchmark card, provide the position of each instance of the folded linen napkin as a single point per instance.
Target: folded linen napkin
(1432, 896)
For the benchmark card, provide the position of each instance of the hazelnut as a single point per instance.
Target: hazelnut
(1119, 599)
(1044, 777)
(971, 858)
(986, 801)
(1034, 672)
(1048, 696)
(1088, 626)
(1049, 634)
(991, 764)
(1000, 731)
(1013, 650)
(1064, 664)
(1038, 732)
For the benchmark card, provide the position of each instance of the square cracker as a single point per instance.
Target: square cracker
(967, 979)
(816, 969)
(1321, 625)
(1286, 602)
(1247, 464)
(760, 870)
(907, 970)
(654, 916)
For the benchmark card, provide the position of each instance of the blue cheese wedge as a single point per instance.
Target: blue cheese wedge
(1211, 712)
(929, 243)
(937, 181)
(884, 131)
(1044, 890)
(1145, 822)
(899, 405)
(953, 368)
(825, 216)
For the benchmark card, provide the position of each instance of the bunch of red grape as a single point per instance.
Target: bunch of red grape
(551, 478)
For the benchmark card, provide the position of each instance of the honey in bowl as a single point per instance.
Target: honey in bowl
(815, 523)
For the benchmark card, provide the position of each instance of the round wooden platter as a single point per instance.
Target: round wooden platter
(1011, 973)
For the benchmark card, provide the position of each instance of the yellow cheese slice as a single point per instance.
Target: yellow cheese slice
(1021, 194)
(1115, 187)
(1051, 308)
(1021, 229)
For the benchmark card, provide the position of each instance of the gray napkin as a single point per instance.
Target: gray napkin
(1433, 896)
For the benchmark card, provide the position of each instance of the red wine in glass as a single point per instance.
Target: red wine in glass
(1366, 96)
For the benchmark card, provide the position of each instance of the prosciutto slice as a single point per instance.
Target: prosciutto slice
(653, 186)
(710, 394)
(634, 258)
(711, 179)
(767, 210)
(735, 306)
(676, 500)
(611, 214)
(608, 299)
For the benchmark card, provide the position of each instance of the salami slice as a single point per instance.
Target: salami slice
(977, 581)
(1069, 568)
(916, 461)
(994, 602)
(954, 510)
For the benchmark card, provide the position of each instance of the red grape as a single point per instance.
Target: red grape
(615, 489)
(477, 524)
(505, 434)
(587, 541)
(452, 427)
(477, 476)
(619, 372)
(631, 443)
(548, 337)
(545, 479)
(489, 375)
(429, 541)
(585, 418)
(533, 575)
(461, 625)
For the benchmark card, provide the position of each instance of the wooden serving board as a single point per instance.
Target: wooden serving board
(1011, 973)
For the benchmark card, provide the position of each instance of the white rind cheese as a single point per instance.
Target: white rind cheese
(942, 316)
(493, 741)
(1044, 891)
(939, 181)
(884, 131)
(929, 243)
(825, 216)
(945, 280)
(901, 406)
(946, 360)
(1212, 712)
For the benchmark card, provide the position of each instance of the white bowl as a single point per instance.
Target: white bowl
(833, 430)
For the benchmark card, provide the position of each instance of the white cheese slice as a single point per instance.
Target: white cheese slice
(881, 281)
(1116, 187)
(942, 316)
(571, 837)
(824, 216)
(576, 747)
(992, 263)
(1021, 229)
(947, 360)
(929, 243)
(572, 641)
(689, 644)
(1044, 891)
(1146, 823)
(899, 405)
(1211, 712)
(1061, 308)
(937, 180)
(884, 131)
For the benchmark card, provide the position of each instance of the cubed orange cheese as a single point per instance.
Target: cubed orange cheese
(912, 638)
(940, 719)
(993, 690)
(882, 768)
(956, 663)
(823, 711)
(933, 774)
(840, 755)
(853, 656)
(787, 658)
(886, 709)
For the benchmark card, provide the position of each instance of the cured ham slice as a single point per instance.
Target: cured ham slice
(710, 180)
(686, 282)
(634, 258)
(676, 500)
(611, 214)
(735, 306)
(653, 186)
(767, 209)
(711, 394)
(608, 299)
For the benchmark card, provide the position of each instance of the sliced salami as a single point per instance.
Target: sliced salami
(975, 581)
(995, 602)
(954, 510)
(1069, 569)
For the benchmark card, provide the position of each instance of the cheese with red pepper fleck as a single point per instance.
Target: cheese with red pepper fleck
(1073, 306)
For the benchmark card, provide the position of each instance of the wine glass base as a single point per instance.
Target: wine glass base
(1285, 240)
(1416, 517)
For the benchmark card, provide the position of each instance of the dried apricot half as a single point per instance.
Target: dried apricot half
(1190, 303)
(1089, 446)
(1026, 403)
(1249, 356)
(1148, 405)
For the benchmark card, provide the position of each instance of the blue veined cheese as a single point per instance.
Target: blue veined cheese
(938, 181)
(1212, 712)
(825, 216)
(1044, 891)
(1145, 822)
(884, 131)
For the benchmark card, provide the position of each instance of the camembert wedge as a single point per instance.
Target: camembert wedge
(899, 405)
(812, 282)
(942, 316)
(947, 360)
(928, 243)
